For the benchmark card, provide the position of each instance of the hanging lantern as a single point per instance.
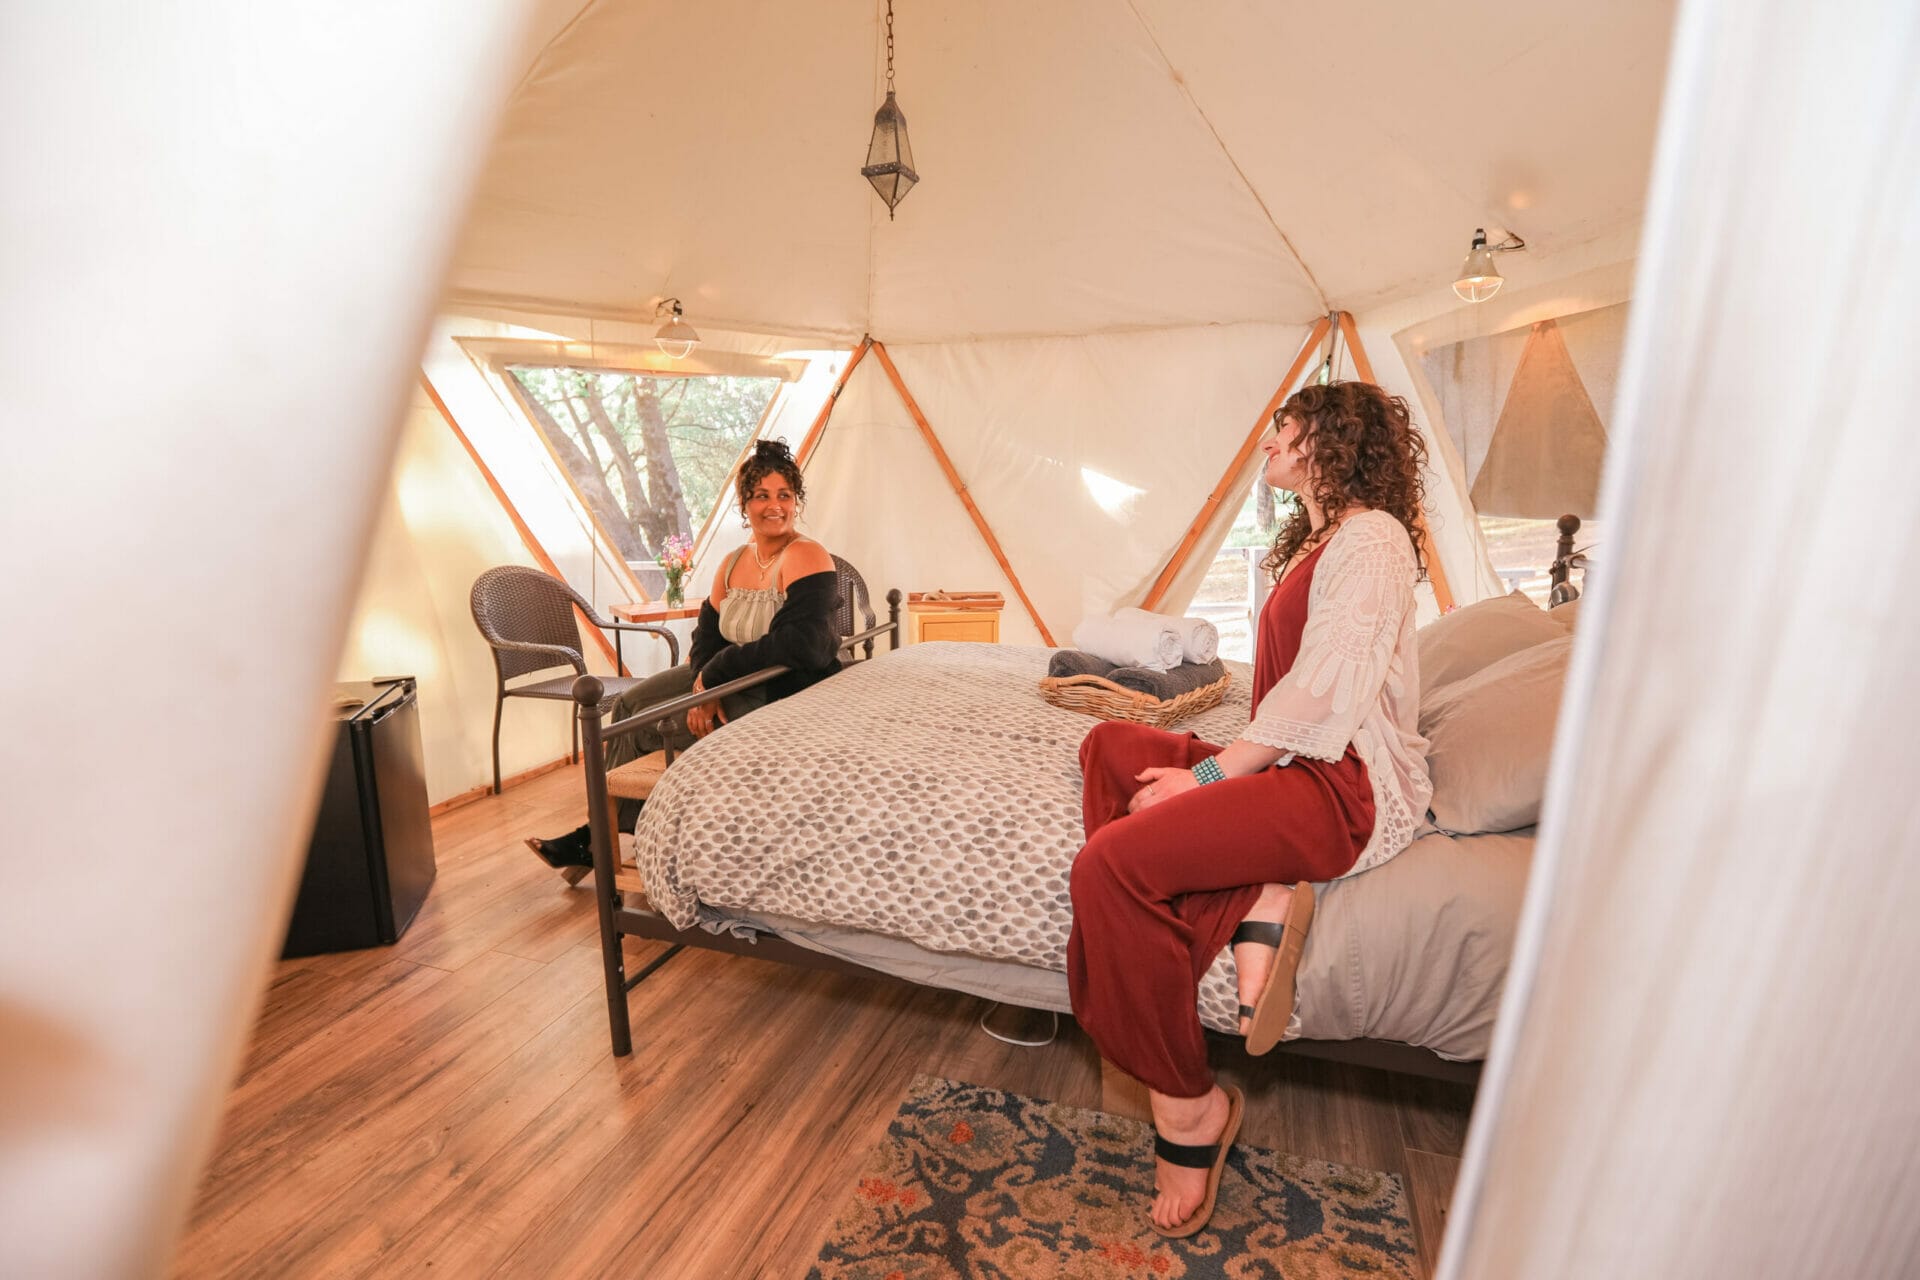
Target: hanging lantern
(889, 165)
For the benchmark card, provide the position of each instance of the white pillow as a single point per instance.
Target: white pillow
(1489, 738)
(1460, 643)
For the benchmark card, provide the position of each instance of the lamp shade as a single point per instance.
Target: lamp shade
(1479, 279)
(676, 337)
(889, 165)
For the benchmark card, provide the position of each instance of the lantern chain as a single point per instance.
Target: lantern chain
(889, 46)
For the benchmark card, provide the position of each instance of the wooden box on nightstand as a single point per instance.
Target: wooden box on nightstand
(955, 615)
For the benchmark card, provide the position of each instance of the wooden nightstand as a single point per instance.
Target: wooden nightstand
(955, 615)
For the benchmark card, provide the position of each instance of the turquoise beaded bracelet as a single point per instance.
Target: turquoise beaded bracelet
(1208, 770)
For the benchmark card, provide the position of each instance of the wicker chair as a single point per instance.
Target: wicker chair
(853, 596)
(527, 618)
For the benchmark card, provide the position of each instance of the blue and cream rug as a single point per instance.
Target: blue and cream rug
(974, 1182)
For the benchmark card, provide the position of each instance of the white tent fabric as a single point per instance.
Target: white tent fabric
(1474, 379)
(1705, 1057)
(438, 529)
(223, 233)
(1086, 166)
(1085, 457)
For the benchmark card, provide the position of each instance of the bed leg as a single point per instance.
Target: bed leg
(1122, 1095)
(586, 692)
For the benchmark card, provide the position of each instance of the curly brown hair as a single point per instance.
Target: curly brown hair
(1363, 451)
(768, 458)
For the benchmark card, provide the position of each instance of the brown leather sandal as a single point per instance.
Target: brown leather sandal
(1270, 1012)
(1211, 1156)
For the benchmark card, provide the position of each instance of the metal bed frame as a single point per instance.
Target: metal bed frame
(618, 920)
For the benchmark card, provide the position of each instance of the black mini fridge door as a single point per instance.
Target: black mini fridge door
(370, 862)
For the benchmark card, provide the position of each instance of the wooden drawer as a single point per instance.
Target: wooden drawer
(974, 625)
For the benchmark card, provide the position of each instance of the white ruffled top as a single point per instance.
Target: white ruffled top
(1357, 678)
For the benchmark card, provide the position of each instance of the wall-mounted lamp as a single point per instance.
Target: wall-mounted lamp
(676, 337)
(1479, 279)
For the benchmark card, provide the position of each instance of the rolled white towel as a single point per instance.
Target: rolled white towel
(1131, 642)
(1199, 639)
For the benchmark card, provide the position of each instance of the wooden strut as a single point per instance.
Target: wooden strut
(1436, 572)
(1234, 468)
(959, 488)
(812, 439)
(538, 552)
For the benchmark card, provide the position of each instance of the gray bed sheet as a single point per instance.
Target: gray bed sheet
(1415, 950)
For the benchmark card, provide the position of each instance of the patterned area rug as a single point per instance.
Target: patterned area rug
(974, 1182)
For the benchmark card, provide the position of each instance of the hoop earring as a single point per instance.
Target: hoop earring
(743, 521)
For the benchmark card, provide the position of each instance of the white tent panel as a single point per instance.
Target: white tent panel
(1068, 186)
(1380, 134)
(246, 206)
(1086, 166)
(1704, 1061)
(440, 527)
(653, 148)
(1088, 458)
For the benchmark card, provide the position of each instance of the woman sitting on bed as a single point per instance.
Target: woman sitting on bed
(772, 605)
(1191, 846)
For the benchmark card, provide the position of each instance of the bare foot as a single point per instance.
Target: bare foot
(1190, 1122)
(1251, 961)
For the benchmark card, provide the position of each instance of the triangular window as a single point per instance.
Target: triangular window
(649, 454)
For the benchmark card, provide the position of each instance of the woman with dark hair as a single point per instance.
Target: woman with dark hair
(772, 604)
(1192, 847)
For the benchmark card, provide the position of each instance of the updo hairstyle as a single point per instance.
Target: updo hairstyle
(771, 457)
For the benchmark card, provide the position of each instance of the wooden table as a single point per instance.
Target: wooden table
(657, 612)
(654, 611)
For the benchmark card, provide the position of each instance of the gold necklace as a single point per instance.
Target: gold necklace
(768, 562)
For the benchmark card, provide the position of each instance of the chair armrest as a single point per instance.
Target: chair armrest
(673, 641)
(570, 656)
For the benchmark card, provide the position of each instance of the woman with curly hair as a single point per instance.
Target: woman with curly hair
(772, 604)
(1192, 847)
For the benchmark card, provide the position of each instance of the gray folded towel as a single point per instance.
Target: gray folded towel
(1163, 685)
(1170, 683)
(1075, 662)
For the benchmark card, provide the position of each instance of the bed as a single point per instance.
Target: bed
(918, 814)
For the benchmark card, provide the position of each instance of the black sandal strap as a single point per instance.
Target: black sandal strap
(1267, 933)
(1187, 1157)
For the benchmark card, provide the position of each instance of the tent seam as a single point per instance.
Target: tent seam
(547, 48)
(1187, 92)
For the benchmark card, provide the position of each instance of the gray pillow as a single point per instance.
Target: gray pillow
(1489, 738)
(1455, 646)
(1568, 614)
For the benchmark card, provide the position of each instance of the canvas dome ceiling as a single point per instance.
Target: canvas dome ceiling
(1087, 165)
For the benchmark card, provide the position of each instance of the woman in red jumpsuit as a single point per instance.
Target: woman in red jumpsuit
(1193, 846)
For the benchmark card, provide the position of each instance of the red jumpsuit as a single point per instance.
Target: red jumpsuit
(1157, 894)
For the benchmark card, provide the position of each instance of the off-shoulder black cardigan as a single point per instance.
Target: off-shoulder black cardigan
(801, 636)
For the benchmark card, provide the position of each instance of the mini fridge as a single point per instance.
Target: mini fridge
(370, 862)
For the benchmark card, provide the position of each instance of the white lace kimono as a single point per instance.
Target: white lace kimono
(1357, 678)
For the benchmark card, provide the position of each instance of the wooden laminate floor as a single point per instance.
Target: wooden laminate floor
(449, 1106)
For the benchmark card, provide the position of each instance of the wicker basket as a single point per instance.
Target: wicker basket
(1103, 699)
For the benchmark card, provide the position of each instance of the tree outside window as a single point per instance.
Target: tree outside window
(649, 454)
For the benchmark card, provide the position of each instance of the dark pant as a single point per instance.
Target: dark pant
(671, 683)
(1157, 894)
